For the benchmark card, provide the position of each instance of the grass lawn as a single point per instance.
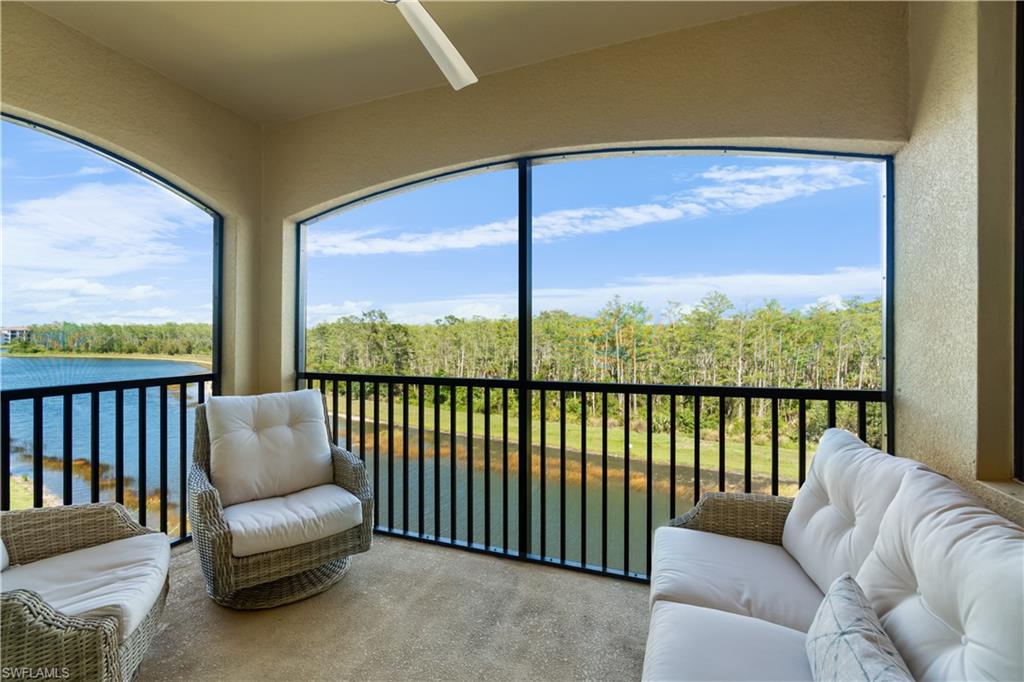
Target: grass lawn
(761, 454)
(21, 494)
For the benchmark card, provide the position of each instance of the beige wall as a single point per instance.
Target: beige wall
(953, 270)
(59, 77)
(829, 76)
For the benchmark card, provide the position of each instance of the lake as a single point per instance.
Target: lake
(28, 372)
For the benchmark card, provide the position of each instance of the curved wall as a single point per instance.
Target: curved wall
(57, 76)
(816, 76)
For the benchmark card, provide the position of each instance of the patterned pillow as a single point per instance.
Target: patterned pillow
(846, 641)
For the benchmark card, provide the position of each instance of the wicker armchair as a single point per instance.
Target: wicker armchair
(280, 576)
(38, 637)
(750, 516)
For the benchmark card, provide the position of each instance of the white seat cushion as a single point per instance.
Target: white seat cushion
(279, 522)
(267, 445)
(835, 516)
(693, 643)
(946, 578)
(121, 579)
(730, 574)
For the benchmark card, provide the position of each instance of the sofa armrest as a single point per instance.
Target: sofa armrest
(40, 638)
(34, 534)
(350, 473)
(751, 516)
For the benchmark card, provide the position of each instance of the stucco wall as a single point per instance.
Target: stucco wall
(57, 76)
(830, 75)
(953, 277)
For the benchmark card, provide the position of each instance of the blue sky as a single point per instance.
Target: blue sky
(87, 240)
(659, 229)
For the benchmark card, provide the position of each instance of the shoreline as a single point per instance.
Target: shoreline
(191, 359)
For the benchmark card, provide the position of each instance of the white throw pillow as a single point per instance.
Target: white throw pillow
(946, 578)
(267, 445)
(846, 643)
(5, 559)
(835, 516)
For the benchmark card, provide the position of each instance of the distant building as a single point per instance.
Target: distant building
(9, 334)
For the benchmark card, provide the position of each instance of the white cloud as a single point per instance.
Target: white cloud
(829, 302)
(88, 251)
(726, 189)
(96, 230)
(84, 171)
(741, 189)
(744, 289)
(323, 312)
(88, 288)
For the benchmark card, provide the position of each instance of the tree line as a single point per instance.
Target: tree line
(170, 338)
(711, 343)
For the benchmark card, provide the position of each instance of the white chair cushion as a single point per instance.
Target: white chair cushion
(121, 579)
(946, 578)
(279, 522)
(730, 574)
(835, 516)
(267, 445)
(693, 643)
(5, 558)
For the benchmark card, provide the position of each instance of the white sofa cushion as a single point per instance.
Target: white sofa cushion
(946, 577)
(688, 642)
(846, 643)
(121, 579)
(279, 522)
(267, 445)
(835, 516)
(731, 574)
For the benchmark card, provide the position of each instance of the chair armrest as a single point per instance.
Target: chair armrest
(35, 534)
(750, 516)
(204, 506)
(350, 473)
(40, 638)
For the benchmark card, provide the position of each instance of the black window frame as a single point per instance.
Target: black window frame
(524, 165)
(218, 221)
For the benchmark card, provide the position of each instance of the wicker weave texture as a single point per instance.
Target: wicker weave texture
(280, 576)
(35, 636)
(751, 516)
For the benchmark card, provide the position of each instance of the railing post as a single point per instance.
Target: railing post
(525, 357)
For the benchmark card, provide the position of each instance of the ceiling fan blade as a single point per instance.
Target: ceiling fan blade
(448, 59)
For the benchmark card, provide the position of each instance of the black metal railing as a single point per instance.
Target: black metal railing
(604, 464)
(129, 441)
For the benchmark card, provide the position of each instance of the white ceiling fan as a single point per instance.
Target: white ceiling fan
(448, 59)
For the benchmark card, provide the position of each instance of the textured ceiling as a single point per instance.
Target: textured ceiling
(277, 61)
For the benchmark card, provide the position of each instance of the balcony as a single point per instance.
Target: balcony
(411, 611)
(515, 513)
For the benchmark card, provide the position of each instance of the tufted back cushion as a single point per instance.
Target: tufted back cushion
(835, 516)
(946, 577)
(267, 445)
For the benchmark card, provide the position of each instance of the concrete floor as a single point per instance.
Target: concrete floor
(410, 611)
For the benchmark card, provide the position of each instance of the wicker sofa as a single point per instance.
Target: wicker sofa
(83, 591)
(737, 582)
(276, 508)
